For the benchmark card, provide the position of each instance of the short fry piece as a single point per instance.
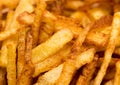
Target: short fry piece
(51, 46)
(110, 48)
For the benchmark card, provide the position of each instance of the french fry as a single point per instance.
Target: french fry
(21, 51)
(68, 71)
(41, 6)
(24, 5)
(110, 48)
(85, 57)
(87, 73)
(117, 74)
(4, 50)
(100, 32)
(51, 46)
(11, 65)
(52, 61)
(50, 77)
(28, 69)
(2, 76)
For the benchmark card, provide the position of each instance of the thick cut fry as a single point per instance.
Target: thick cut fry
(24, 5)
(39, 11)
(28, 69)
(52, 61)
(87, 73)
(21, 51)
(117, 74)
(11, 65)
(51, 46)
(110, 48)
(68, 71)
(50, 77)
(2, 76)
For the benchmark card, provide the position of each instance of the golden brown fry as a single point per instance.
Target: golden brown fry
(100, 32)
(28, 69)
(117, 74)
(21, 51)
(39, 10)
(87, 73)
(68, 71)
(52, 61)
(24, 5)
(110, 48)
(50, 77)
(51, 46)
(11, 65)
(3, 76)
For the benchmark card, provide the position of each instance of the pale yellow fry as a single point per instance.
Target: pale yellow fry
(11, 66)
(85, 57)
(24, 5)
(110, 48)
(117, 74)
(50, 77)
(48, 63)
(51, 46)
(39, 11)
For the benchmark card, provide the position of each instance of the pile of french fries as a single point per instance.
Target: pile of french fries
(59, 42)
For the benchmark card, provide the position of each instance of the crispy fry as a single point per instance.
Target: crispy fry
(117, 74)
(28, 69)
(11, 65)
(85, 57)
(21, 51)
(41, 6)
(87, 73)
(24, 5)
(110, 48)
(68, 71)
(51, 46)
